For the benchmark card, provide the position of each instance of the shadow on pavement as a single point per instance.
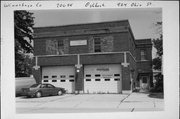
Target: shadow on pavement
(156, 95)
(25, 97)
(153, 95)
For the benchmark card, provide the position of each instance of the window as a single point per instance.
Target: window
(97, 79)
(144, 80)
(107, 79)
(88, 79)
(50, 86)
(45, 80)
(117, 79)
(88, 75)
(43, 86)
(71, 80)
(45, 76)
(54, 76)
(71, 76)
(116, 74)
(62, 76)
(143, 55)
(54, 80)
(97, 75)
(63, 80)
(97, 44)
(60, 43)
(34, 85)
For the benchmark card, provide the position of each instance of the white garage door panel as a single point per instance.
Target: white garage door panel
(103, 78)
(60, 76)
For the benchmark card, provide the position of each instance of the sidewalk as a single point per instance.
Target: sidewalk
(143, 102)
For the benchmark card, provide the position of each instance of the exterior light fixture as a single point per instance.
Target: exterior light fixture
(77, 70)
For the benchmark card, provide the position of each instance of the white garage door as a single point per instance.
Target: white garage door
(60, 76)
(102, 78)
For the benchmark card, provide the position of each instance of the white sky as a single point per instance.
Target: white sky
(142, 20)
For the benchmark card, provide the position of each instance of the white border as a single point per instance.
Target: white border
(171, 61)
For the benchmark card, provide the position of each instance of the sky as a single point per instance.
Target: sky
(142, 20)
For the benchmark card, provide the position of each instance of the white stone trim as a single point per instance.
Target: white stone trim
(79, 54)
(126, 91)
(36, 67)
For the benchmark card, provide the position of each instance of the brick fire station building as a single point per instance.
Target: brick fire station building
(92, 58)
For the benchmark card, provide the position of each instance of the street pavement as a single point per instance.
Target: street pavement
(84, 103)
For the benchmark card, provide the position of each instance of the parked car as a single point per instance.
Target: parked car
(23, 82)
(39, 90)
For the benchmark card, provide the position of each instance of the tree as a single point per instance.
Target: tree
(23, 26)
(157, 62)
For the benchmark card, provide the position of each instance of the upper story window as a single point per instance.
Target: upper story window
(97, 44)
(60, 43)
(143, 55)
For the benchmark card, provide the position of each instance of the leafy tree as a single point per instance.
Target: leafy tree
(23, 23)
(157, 62)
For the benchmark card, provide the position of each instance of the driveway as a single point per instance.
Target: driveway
(71, 103)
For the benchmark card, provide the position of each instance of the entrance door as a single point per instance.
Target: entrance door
(144, 83)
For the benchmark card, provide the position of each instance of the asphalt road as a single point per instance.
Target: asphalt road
(70, 103)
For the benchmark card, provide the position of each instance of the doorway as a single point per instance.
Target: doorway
(144, 83)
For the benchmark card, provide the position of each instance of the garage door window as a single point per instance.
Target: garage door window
(97, 79)
(45, 80)
(116, 74)
(107, 79)
(88, 79)
(88, 75)
(45, 76)
(71, 76)
(117, 79)
(63, 80)
(62, 76)
(54, 80)
(71, 80)
(54, 76)
(97, 75)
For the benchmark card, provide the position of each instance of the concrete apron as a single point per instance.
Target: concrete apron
(90, 103)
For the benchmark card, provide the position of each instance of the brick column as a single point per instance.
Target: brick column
(79, 83)
(126, 85)
(36, 71)
(37, 75)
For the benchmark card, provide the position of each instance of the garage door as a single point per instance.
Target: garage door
(102, 78)
(60, 76)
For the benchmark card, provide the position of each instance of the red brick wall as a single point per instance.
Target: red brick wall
(57, 60)
(102, 58)
(40, 46)
(115, 42)
(144, 66)
(148, 53)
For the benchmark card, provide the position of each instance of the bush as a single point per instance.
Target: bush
(159, 87)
